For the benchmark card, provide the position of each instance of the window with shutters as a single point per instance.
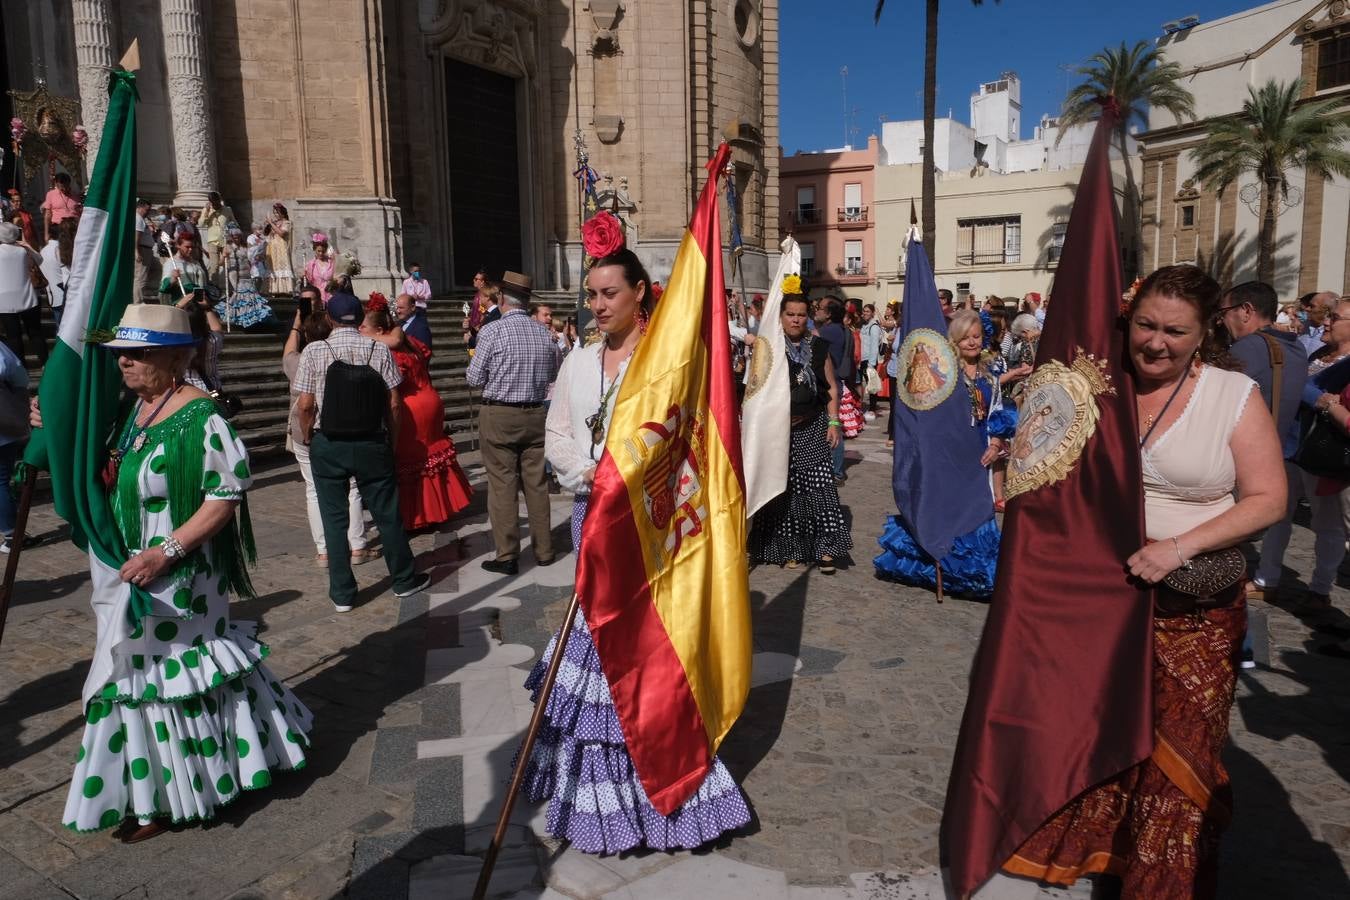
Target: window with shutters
(1057, 232)
(853, 261)
(807, 212)
(989, 241)
(1333, 63)
(808, 259)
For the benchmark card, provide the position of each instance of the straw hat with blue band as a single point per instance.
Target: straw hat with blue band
(151, 325)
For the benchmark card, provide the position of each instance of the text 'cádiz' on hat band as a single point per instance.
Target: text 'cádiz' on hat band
(150, 325)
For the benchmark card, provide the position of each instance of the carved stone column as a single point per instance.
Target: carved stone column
(194, 141)
(93, 61)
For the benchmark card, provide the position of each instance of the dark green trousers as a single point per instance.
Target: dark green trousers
(371, 463)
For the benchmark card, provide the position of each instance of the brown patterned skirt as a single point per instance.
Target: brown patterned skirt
(1157, 825)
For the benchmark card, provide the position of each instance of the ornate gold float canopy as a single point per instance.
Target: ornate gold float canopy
(51, 121)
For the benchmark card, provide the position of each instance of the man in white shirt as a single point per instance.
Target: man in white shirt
(145, 262)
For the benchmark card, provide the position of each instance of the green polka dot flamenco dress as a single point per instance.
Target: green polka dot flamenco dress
(181, 713)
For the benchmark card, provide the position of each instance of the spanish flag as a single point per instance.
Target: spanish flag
(662, 574)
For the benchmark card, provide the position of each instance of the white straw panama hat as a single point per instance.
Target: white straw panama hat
(151, 325)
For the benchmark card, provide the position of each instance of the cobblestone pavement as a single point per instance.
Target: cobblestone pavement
(843, 749)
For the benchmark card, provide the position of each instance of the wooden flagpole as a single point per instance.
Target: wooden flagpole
(16, 544)
(523, 760)
(938, 567)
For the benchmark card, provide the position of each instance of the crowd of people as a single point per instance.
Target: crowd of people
(1227, 383)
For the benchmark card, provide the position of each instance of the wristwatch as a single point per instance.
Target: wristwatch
(172, 548)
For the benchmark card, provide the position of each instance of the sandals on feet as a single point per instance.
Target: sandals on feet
(792, 564)
(361, 557)
(826, 565)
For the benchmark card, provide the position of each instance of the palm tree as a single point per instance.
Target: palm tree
(1274, 134)
(929, 115)
(1138, 79)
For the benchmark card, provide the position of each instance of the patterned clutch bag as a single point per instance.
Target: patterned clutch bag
(1209, 574)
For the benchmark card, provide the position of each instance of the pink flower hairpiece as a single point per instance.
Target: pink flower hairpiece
(318, 237)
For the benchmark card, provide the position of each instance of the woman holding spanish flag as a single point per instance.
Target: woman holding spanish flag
(580, 761)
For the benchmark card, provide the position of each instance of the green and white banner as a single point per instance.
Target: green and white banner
(81, 387)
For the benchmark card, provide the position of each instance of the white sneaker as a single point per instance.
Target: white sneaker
(341, 609)
(421, 584)
(869, 417)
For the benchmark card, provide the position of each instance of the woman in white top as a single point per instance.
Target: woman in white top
(19, 310)
(581, 762)
(1157, 825)
(56, 258)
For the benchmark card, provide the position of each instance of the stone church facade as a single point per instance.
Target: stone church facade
(441, 132)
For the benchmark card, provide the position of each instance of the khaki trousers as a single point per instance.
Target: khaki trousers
(513, 455)
(144, 269)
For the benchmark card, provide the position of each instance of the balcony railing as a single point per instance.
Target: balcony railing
(852, 215)
(806, 215)
(851, 272)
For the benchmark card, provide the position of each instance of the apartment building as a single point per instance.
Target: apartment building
(827, 205)
(1186, 222)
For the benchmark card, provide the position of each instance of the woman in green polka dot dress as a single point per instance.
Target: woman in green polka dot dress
(181, 713)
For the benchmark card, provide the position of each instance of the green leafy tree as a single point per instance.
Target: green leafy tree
(929, 116)
(1138, 79)
(1274, 134)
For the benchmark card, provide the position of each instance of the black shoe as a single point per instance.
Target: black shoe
(421, 584)
(1340, 651)
(502, 566)
(547, 561)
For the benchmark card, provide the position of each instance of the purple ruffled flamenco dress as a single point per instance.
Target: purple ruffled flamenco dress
(580, 763)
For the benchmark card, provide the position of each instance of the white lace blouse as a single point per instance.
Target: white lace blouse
(576, 397)
(1189, 473)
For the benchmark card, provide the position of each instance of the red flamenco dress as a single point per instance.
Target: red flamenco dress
(431, 485)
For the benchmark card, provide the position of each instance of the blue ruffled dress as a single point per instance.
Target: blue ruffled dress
(969, 568)
(580, 762)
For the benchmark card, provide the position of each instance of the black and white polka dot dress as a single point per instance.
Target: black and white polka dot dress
(805, 522)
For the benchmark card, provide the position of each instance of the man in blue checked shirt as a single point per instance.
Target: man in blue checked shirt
(515, 362)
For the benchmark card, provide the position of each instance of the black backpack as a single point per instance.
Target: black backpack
(355, 398)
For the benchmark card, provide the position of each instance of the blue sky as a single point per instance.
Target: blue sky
(975, 44)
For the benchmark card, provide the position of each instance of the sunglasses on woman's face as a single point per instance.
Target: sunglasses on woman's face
(135, 353)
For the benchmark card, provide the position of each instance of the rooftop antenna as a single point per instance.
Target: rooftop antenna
(1066, 68)
(843, 82)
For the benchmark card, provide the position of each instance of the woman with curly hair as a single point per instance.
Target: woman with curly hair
(1212, 476)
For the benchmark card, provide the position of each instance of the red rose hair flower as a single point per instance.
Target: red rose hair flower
(602, 235)
(377, 301)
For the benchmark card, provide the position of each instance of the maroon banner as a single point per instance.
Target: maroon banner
(1060, 694)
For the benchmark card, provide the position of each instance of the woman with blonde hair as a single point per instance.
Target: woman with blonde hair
(969, 568)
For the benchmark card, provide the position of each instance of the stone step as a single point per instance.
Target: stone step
(251, 369)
